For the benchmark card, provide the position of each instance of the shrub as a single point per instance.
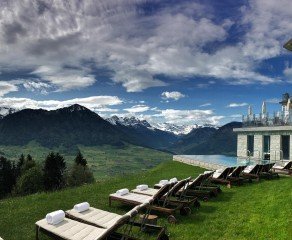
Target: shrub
(79, 175)
(30, 182)
(27, 164)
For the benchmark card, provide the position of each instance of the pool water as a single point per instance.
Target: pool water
(222, 160)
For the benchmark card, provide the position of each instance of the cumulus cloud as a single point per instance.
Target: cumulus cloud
(137, 109)
(175, 95)
(235, 105)
(6, 87)
(136, 48)
(94, 103)
(269, 27)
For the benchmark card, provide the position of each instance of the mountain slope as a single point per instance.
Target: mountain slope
(143, 133)
(221, 141)
(67, 126)
(193, 139)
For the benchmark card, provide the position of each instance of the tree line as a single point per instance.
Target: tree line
(26, 176)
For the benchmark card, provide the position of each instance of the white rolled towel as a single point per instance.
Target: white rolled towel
(163, 182)
(142, 187)
(122, 192)
(173, 180)
(81, 207)
(55, 217)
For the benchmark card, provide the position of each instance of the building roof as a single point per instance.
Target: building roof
(288, 45)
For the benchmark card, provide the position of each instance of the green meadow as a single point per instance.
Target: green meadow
(105, 161)
(258, 210)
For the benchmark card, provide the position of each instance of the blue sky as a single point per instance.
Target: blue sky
(183, 62)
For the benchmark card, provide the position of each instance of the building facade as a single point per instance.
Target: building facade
(265, 137)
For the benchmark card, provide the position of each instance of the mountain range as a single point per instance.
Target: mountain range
(76, 124)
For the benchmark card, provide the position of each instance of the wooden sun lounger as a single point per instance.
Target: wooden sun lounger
(160, 202)
(198, 188)
(104, 219)
(222, 177)
(70, 229)
(285, 168)
(252, 172)
(266, 171)
(235, 176)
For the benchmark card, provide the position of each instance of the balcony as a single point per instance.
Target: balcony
(263, 120)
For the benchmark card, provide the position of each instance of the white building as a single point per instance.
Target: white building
(267, 137)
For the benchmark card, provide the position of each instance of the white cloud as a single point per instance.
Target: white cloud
(36, 86)
(273, 100)
(172, 95)
(288, 74)
(269, 27)
(93, 103)
(65, 78)
(6, 87)
(189, 116)
(235, 105)
(205, 105)
(136, 47)
(137, 109)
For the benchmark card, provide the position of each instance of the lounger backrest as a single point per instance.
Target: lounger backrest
(198, 181)
(122, 221)
(162, 191)
(271, 165)
(224, 173)
(236, 172)
(255, 169)
(178, 186)
(288, 165)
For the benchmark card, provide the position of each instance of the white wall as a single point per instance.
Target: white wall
(258, 146)
(275, 147)
(241, 145)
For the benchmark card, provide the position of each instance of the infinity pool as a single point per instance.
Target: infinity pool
(215, 160)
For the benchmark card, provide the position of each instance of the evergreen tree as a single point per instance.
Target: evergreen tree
(28, 164)
(19, 165)
(7, 176)
(80, 160)
(54, 171)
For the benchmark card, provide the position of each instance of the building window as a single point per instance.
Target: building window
(285, 147)
(267, 144)
(250, 145)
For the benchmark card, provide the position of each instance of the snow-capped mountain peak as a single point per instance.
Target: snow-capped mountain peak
(176, 129)
(128, 121)
(6, 111)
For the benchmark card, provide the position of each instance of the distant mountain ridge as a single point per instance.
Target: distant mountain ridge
(66, 126)
(76, 124)
(213, 141)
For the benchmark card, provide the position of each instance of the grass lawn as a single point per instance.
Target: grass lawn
(254, 211)
(105, 161)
